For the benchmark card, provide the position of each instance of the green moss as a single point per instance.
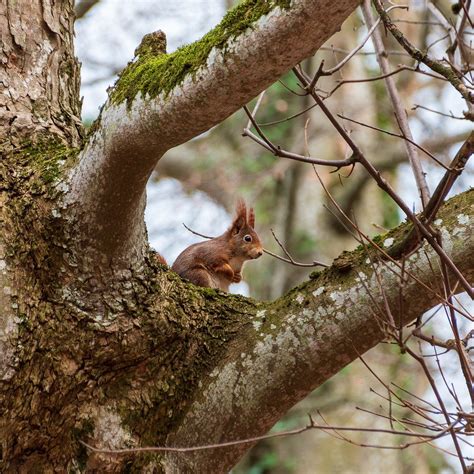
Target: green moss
(378, 239)
(153, 73)
(46, 158)
(30, 174)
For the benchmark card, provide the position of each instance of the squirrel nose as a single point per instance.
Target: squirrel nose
(259, 253)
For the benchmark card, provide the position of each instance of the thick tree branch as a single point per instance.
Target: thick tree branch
(285, 349)
(81, 8)
(161, 101)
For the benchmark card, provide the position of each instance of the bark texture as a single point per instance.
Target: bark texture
(39, 74)
(101, 343)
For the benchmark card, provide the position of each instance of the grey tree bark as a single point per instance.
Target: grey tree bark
(99, 342)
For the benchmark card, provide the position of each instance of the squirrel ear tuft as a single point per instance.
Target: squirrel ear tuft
(240, 216)
(251, 219)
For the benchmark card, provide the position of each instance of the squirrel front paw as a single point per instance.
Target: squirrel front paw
(237, 278)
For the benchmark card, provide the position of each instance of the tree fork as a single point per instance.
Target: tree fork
(98, 342)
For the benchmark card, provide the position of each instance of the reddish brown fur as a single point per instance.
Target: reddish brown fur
(161, 259)
(218, 262)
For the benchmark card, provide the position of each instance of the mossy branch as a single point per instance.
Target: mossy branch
(153, 72)
(446, 71)
(162, 100)
(293, 345)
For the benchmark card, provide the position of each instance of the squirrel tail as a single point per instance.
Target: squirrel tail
(161, 259)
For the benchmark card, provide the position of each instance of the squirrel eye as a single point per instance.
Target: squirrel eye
(248, 238)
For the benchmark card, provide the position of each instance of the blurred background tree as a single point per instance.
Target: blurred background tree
(289, 199)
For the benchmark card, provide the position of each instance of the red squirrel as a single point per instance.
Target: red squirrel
(218, 262)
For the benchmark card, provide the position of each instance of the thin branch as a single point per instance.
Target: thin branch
(289, 89)
(355, 50)
(291, 259)
(297, 431)
(259, 131)
(418, 22)
(437, 41)
(400, 113)
(295, 263)
(277, 151)
(333, 49)
(449, 344)
(398, 135)
(450, 115)
(197, 233)
(268, 252)
(448, 72)
(383, 76)
(291, 117)
(255, 109)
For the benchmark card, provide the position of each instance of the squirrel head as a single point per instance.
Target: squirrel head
(243, 239)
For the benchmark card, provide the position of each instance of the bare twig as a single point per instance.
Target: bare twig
(358, 156)
(398, 135)
(383, 76)
(398, 108)
(447, 71)
(334, 49)
(289, 89)
(277, 151)
(311, 426)
(450, 115)
(336, 68)
(291, 117)
(268, 252)
(291, 259)
(197, 233)
(449, 344)
(255, 109)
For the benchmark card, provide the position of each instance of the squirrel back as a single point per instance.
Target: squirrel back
(218, 262)
(160, 258)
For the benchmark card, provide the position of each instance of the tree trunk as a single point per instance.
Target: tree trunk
(98, 341)
(39, 73)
